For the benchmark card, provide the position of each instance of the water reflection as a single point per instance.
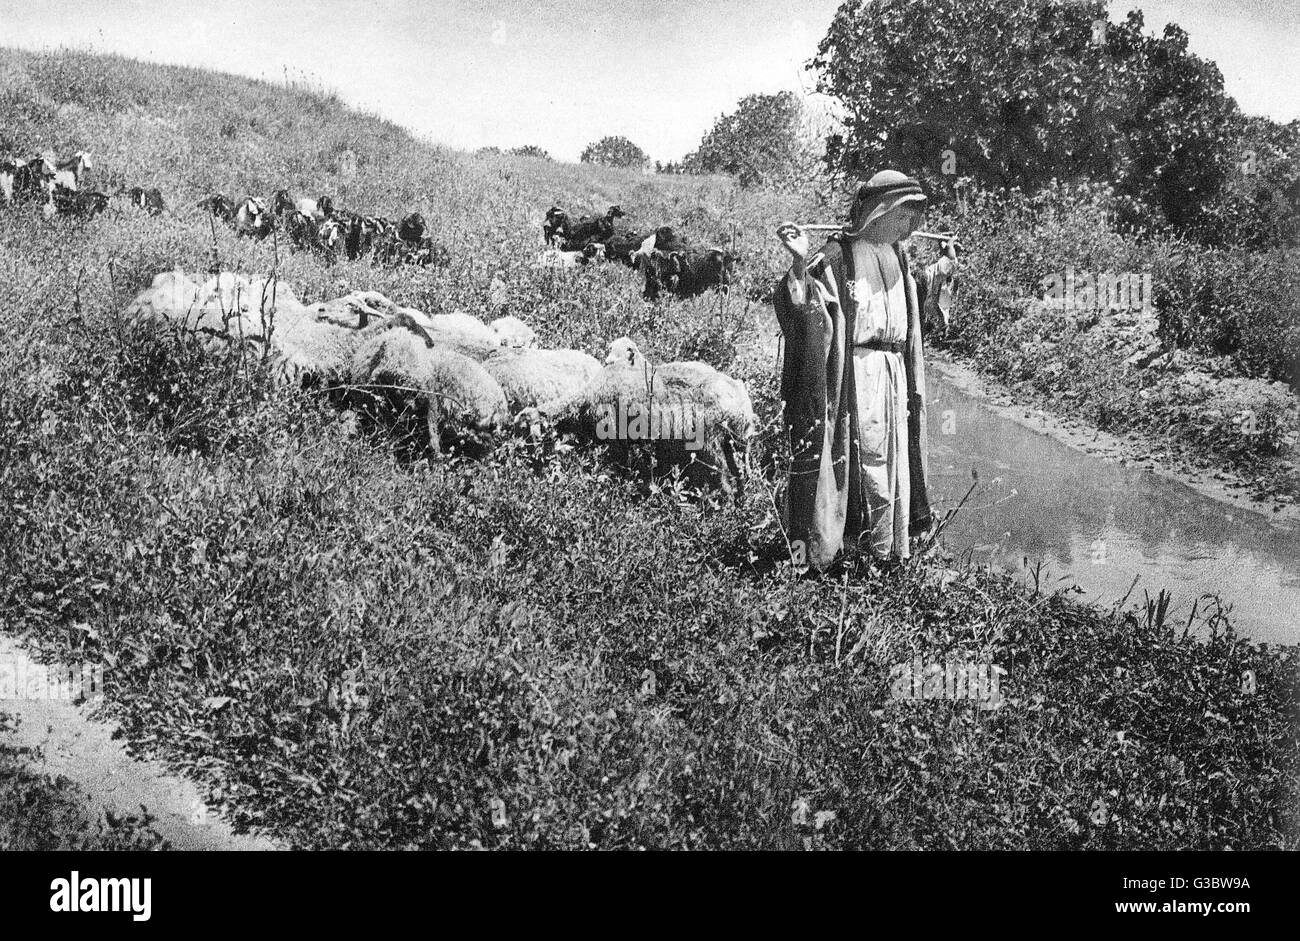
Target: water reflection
(1097, 524)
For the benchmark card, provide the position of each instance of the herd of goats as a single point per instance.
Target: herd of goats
(667, 261)
(462, 383)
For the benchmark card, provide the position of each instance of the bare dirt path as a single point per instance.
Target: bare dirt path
(82, 749)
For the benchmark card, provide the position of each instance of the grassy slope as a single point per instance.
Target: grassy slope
(634, 674)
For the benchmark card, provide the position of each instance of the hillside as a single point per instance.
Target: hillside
(350, 650)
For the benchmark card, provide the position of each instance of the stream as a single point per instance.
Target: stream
(1096, 524)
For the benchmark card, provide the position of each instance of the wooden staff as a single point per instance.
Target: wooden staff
(944, 237)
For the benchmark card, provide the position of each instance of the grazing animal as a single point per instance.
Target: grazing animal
(687, 273)
(406, 375)
(556, 258)
(70, 173)
(587, 230)
(150, 200)
(514, 333)
(84, 203)
(529, 377)
(411, 228)
(251, 218)
(220, 206)
(8, 175)
(553, 227)
(694, 416)
(622, 246)
(34, 182)
(318, 209)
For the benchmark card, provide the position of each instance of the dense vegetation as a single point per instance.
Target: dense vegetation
(1019, 93)
(531, 651)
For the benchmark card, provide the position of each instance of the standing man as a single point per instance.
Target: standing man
(853, 380)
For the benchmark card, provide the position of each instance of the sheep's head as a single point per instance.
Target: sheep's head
(615, 212)
(532, 423)
(281, 202)
(326, 207)
(624, 352)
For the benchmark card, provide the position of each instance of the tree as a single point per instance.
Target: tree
(1020, 92)
(615, 152)
(762, 143)
(529, 150)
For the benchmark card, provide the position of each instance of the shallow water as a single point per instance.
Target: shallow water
(1096, 524)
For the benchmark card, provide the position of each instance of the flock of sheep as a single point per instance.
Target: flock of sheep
(466, 382)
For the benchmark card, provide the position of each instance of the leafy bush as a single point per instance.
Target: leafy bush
(615, 152)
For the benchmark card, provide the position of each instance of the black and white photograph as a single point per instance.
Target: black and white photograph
(866, 427)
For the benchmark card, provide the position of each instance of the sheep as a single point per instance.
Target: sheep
(513, 332)
(402, 372)
(696, 417)
(530, 377)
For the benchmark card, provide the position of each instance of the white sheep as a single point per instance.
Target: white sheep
(694, 416)
(530, 377)
(399, 367)
(513, 332)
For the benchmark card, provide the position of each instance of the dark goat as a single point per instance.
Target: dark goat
(687, 273)
(150, 200)
(621, 246)
(220, 206)
(70, 202)
(34, 181)
(553, 227)
(578, 235)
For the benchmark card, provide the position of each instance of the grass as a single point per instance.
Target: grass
(353, 650)
(40, 812)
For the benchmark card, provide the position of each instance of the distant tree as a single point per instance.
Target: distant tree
(529, 150)
(1020, 92)
(488, 150)
(615, 152)
(762, 143)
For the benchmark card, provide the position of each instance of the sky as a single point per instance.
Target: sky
(560, 75)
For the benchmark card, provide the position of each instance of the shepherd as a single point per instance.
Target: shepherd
(853, 379)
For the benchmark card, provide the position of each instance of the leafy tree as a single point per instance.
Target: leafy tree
(529, 150)
(615, 152)
(1020, 92)
(761, 143)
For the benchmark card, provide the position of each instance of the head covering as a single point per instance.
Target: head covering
(885, 191)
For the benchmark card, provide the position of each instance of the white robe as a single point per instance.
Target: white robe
(881, 380)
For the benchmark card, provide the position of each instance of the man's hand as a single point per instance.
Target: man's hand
(795, 241)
